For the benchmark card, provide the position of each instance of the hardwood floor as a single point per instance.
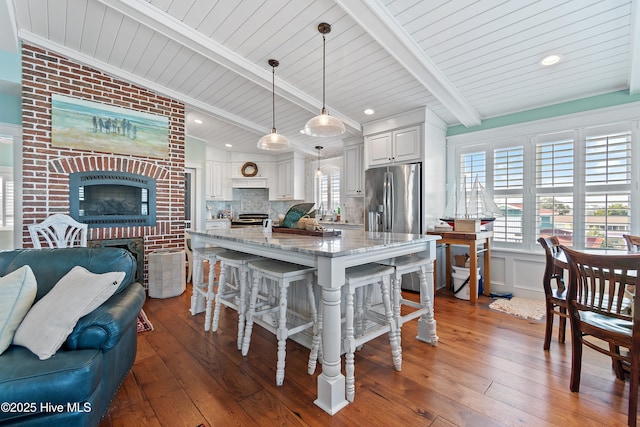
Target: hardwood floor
(489, 369)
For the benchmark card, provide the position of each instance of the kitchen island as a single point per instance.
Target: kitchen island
(331, 256)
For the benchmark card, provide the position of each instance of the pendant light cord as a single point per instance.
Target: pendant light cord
(324, 55)
(273, 96)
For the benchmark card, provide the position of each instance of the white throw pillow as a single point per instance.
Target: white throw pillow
(17, 292)
(50, 321)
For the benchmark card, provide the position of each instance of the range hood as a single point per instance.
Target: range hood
(259, 182)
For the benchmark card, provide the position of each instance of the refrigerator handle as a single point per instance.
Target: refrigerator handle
(387, 201)
(391, 202)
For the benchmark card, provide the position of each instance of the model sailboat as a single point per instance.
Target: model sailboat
(476, 203)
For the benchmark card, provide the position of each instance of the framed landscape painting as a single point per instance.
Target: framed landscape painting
(87, 125)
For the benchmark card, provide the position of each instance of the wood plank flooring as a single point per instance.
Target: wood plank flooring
(489, 369)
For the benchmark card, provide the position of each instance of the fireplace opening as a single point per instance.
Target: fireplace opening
(112, 199)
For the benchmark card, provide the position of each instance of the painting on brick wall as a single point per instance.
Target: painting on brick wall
(87, 125)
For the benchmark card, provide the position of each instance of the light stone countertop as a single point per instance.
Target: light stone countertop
(350, 242)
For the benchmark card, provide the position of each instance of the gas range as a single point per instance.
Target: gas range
(249, 220)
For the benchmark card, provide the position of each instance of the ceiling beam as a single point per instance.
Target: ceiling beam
(165, 24)
(137, 80)
(376, 20)
(634, 60)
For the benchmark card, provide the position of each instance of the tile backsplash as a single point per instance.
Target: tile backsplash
(256, 200)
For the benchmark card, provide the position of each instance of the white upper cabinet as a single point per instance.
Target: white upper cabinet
(289, 176)
(397, 146)
(218, 183)
(217, 177)
(353, 170)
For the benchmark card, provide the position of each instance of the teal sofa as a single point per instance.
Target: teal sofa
(77, 384)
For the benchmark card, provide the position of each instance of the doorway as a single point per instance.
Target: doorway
(191, 217)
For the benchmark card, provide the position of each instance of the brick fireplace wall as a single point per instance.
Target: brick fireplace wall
(46, 169)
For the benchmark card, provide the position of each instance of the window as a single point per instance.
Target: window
(575, 184)
(327, 186)
(6, 199)
(607, 208)
(554, 186)
(508, 184)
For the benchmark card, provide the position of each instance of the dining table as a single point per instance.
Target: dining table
(560, 258)
(332, 254)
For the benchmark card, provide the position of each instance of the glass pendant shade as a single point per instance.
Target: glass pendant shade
(324, 125)
(273, 141)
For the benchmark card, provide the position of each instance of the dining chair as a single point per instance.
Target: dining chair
(599, 307)
(555, 297)
(58, 231)
(633, 242)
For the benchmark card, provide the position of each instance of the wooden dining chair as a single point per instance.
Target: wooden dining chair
(599, 307)
(555, 297)
(633, 242)
(59, 231)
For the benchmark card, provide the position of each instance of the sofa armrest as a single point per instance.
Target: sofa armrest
(103, 327)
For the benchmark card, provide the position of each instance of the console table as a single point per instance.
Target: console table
(479, 242)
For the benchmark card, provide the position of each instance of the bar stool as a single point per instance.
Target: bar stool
(233, 294)
(363, 322)
(424, 309)
(203, 291)
(268, 304)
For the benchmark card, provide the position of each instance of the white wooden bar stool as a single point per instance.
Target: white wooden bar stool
(203, 291)
(269, 304)
(364, 321)
(233, 293)
(423, 309)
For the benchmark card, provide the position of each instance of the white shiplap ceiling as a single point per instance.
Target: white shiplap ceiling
(466, 60)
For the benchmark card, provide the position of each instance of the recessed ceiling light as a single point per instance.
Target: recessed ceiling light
(228, 145)
(550, 60)
(369, 111)
(198, 121)
(302, 132)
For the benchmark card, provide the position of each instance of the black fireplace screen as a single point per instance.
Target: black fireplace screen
(112, 199)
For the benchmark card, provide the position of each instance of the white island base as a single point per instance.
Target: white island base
(332, 256)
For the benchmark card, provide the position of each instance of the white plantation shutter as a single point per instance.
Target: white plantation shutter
(607, 203)
(554, 163)
(6, 201)
(508, 184)
(508, 169)
(608, 159)
(472, 166)
(554, 175)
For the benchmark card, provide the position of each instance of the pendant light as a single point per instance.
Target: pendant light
(324, 124)
(318, 171)
(273, 141)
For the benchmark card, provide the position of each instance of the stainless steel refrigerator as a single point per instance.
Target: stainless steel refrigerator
(393, 203)
(393, 199)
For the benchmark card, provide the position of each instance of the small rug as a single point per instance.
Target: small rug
(521, 307)
(143, 322)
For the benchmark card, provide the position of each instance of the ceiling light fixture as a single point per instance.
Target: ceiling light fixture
(318, 171)
(324, 124)
(273, 141)
(550, 60)
(369, 111)
(198, 121)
